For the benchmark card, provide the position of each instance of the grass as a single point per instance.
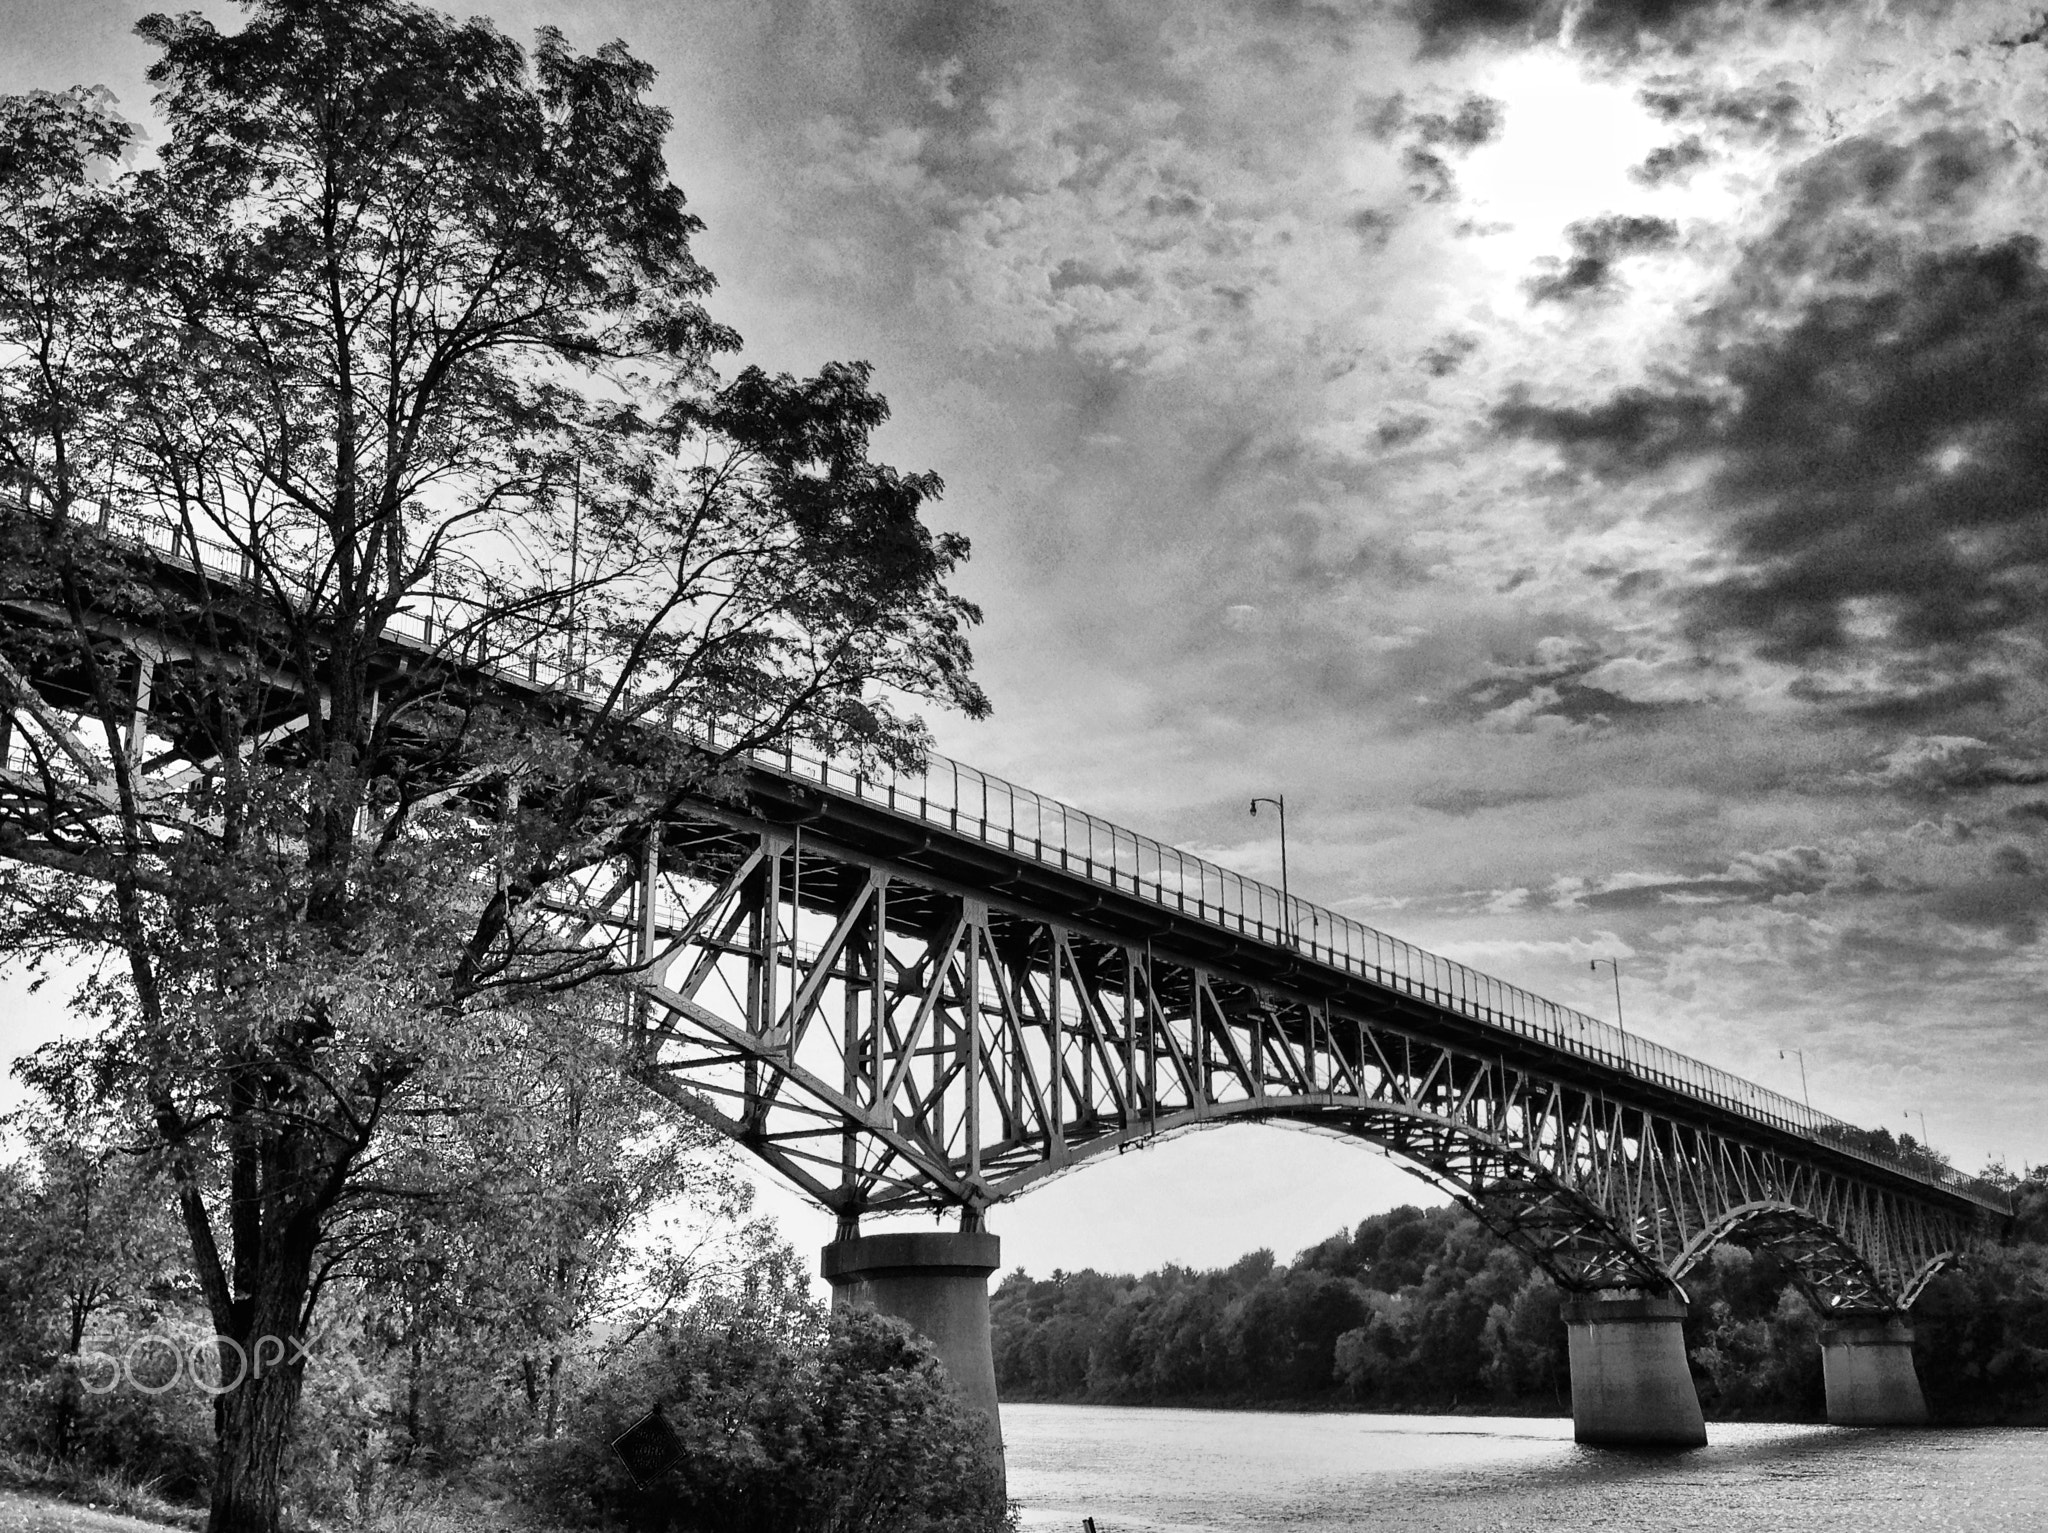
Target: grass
(44, 1495)
(38, 1493)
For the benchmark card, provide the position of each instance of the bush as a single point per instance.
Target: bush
(161, 1439)
(854, 1431)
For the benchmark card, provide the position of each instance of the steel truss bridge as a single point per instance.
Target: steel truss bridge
(937, 990)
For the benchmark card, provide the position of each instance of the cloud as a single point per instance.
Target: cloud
(1773, 113)
(1605, 26)
(1887, 465)
(1674, 163)
(1465, 799)
(1635, 431)
(1937, 764)
(1435, 137)
(1449, 354)
(1871, 419)
(1597, 244)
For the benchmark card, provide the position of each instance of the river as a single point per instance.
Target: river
(1138, 1470)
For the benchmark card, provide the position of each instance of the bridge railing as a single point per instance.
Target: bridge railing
(1023, 823)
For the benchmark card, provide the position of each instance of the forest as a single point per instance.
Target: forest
(1425, 1310)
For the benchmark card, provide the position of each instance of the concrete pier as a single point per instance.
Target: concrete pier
(937, 1282)
(1631, 1387)
(1867, 1364)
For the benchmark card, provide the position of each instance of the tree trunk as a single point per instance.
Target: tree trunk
(253, 1420)
(252, 1427)
(67, 1382)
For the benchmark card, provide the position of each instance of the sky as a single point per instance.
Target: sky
(1592, 458)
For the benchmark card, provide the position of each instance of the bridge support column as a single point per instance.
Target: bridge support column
(1867, 1363)
(937, 1282)
(1630, 1383)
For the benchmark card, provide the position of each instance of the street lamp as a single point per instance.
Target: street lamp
(1620, 1025)
(1805, 1095)
(1286, 900)
(1926, 1149)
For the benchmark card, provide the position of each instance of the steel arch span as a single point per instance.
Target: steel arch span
(889, 1037)
(938, 989)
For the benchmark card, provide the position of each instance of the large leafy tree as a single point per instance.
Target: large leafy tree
(398, 351)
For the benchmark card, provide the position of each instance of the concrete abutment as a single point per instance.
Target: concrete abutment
(1631, 1387)
(1867, 1364)
(935, 1281)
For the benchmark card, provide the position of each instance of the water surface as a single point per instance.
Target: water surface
(1174, 1471)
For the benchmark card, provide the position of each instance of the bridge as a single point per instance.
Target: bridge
(933, 991)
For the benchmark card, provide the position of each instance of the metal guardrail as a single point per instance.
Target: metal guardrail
(962, 799)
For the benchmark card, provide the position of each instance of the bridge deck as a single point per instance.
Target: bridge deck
(1030, 830)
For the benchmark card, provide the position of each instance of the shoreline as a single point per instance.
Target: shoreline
(1523, 1410)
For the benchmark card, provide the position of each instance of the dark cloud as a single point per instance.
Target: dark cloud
(1938, 765)
(1382, 117)
(1072, 273)
(1597, 244)
(1753, 878)
(1858, 212)
(1374, 225)
(1401, 430)
(1892, 448)
(1672, 162)
(1611, 26)
(1557, 686)
(2012, 906)
(1448, 355)
(1448, 25)
(1911, 701)
(1477, 121)
(1634, 432)
(1463, 800)
(1763, 112)
(1436, 137)
(1881, 443)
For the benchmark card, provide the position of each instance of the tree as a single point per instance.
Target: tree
(87, 1233)
(400, 352)
(564, 1196)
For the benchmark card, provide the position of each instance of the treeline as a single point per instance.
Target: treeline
(1426, 1310)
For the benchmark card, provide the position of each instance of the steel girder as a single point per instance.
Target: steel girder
(889, 1041)
(890, 1038)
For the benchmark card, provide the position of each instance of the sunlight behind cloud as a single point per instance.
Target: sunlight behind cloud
(1569, 143)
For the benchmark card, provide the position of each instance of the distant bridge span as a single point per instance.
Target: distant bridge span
(936, 991)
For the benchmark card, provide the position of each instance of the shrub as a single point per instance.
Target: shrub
(852, 1431)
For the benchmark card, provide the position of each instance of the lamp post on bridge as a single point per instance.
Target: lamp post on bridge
(1279, 802)
(1620, 1026)
(1805, 1095)
(1926, 1149)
